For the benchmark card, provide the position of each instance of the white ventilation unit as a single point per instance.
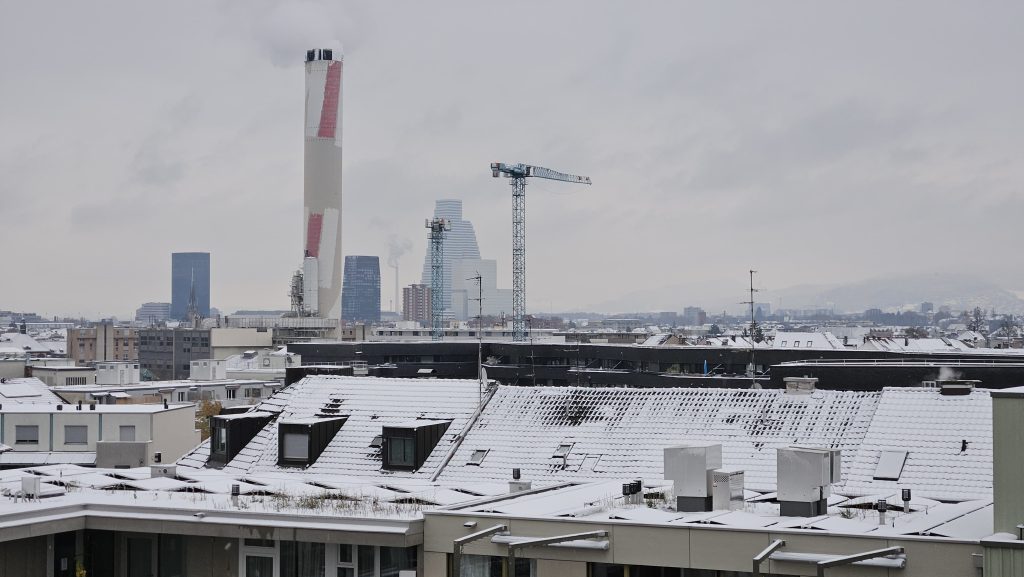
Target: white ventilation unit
(31, 486)
(804, 479)
(800, 385)
(727, 489)
(690, 468)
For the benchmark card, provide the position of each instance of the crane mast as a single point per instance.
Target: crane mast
(438, 227)
(517, 175)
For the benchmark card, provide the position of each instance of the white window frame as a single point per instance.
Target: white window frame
(253, 551)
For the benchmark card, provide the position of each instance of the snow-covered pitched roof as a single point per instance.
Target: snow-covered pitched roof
(806, 340)
(369, 404)
(621, 432)
(931, 428)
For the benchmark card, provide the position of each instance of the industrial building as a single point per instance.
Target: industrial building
(321, 231)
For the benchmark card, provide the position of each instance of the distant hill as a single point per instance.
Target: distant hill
(959, 292)
(956, 291)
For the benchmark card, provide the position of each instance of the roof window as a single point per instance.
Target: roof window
(377, 441)
(562, 451)
(890, 465)
(478, 456)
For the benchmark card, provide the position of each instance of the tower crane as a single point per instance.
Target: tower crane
(438, 227)
(517, 175)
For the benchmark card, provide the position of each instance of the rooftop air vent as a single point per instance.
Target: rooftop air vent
(804, 479)
(800, 385)
(690, 468)
(727, 489)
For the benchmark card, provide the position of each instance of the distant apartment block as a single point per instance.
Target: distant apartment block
(123, 436)
(166, 354)
(416, 303)
(153, 313)
(360, 293)
(693, 316)
(103, 342)
(190, 269)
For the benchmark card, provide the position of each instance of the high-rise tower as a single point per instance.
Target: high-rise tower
(190, 273)
(459, 244)
(360, 300)
(322, 187)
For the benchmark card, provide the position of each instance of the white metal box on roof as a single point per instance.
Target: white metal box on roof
(689, 467)
(806, 474)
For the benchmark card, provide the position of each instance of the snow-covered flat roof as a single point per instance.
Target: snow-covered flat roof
(603, 501)
(86, 409)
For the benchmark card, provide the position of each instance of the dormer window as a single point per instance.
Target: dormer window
(407, 446)
(229, 434)
(377, 441)
(301, 441)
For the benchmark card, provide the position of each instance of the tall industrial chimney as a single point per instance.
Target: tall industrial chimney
(322, 186)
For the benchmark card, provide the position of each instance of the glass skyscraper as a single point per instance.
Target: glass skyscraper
(459, 244)
(360, 289)
(184, 267)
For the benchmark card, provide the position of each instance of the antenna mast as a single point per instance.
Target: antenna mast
(753, 326)
(479, 334)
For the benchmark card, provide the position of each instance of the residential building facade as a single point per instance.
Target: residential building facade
(103, 342)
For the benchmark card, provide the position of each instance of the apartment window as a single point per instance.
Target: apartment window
(296, 446)
(26, 434)
(231, 393)
(401, 452)
(220, 439)
(181, 396)
(76, 434)
(299, 559)
(346, 560)
(796, 344)
(260, 557)
(783, 343)
(126, 433)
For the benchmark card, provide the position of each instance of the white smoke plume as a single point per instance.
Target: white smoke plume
(396, 248)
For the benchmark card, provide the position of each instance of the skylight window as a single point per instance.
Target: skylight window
(563, 450)
(478, 456)
(377, 441)
(890, 465)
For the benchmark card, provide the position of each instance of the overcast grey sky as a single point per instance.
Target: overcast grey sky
(816, 142)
